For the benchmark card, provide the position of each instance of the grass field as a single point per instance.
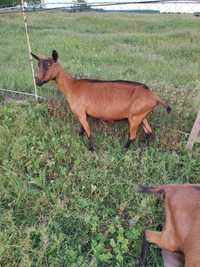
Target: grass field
(61, 205)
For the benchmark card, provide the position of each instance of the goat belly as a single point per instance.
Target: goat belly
(109, 102)
(108, 112)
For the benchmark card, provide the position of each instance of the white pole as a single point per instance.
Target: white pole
(29, 48)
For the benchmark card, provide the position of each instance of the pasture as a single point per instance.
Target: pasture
(61, 205)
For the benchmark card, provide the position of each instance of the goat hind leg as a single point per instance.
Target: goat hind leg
(148, 132)
(147, 128)
(86, 127)
(134, 122)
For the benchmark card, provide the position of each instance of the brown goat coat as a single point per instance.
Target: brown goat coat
(107, 100)
(182, 226)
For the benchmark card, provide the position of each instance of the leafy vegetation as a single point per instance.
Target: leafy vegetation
(60, 204)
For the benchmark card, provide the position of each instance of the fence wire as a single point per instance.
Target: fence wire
(23, 11)
(30, 60)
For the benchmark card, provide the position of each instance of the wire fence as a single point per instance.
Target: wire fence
(16, 57)
(74, 6)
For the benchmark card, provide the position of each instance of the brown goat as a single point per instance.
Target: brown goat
(107, 100)
(180, 237)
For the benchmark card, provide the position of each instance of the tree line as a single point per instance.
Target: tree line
(9, 3)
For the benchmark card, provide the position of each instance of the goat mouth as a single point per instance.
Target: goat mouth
(40, 83)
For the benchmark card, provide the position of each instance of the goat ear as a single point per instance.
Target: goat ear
(55, 55)
(34, 56)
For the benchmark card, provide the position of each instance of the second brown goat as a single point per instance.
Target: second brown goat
(180, 237)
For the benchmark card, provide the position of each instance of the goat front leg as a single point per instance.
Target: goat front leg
(83, 120)
(147, 129)
(146, 126)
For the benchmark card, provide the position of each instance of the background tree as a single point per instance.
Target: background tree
(7, 3)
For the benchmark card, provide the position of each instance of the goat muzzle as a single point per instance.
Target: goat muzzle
(39, 82)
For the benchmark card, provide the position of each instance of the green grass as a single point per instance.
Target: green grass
(61, 205)
(160, 50)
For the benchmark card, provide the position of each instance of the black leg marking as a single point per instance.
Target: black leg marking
(81, 131)
(159, 227)
(143, 254)
(127, 144)
(148, 135)
(147, 138)
(91, 145)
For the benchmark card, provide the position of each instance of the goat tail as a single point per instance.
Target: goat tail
(164, 104)
(151, 189)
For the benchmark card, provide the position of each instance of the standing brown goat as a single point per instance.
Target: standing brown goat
(180, 237)
(107, 100)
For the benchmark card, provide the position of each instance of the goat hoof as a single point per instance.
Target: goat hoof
(147, 138)
(127, 145)
(125, 149)
(150, 136)
(91, 147)
(81, 131)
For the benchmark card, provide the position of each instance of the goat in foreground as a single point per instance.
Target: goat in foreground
(107, 100)
(180, 237)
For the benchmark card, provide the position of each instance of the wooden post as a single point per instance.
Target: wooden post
(194, 135)
(29, 48)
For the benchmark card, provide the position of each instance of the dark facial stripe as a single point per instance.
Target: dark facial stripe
(45, 65)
